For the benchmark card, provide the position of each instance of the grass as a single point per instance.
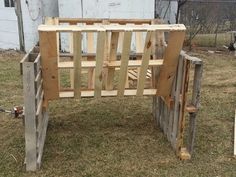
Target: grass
(208, 40)
(116, 137)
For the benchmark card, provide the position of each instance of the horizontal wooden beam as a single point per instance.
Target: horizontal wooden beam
(114, 64)
(97, 20)
(111, 28)
(92, 55)
(106, 93)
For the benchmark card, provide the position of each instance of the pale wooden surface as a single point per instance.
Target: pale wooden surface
(145, 63)
(112, 28)
(124, 62)
(107, 93)
(113, 53)
(99, 62)
(30, 116)
(170, 63)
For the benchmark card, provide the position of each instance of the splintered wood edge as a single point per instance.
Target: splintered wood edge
(184, 154)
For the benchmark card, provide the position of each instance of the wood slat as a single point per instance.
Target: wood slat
(49, 58)
(111, 28)
(90, 49)
(30, 116)
(107, 93)
(181, 123)
(145, 63)
(77, 49)
(99, 62)
(113, 53)
(112, 64)
(170, 63)
(124, 62)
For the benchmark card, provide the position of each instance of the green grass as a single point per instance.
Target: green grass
(208, 40)
(116, 137)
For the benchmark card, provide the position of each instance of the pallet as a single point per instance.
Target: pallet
(158, 67)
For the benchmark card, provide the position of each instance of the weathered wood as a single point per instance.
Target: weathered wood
(145, 63)
(99, 62)
(195, 102)
(30, 116)
(77, 39)
(178, 86)
(111, 64)
(42, 137)
(124, 62)
(170, 63)
(181, 124)
(49, 59)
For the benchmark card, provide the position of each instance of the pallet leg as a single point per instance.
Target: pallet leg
(30, 117)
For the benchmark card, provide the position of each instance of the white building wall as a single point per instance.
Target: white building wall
(32, 14)
(129, 9)
(8, 28)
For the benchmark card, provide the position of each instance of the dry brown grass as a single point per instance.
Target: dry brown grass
(116, 137)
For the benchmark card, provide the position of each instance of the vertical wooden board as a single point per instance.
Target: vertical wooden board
(145, 63)
(120, 41)
(124, 62)
(42, 137)
(168, 70)
(181, 123)
(90, 49)
(178, 86)
(113, 52)
(139, 42)
(77, 57)
(30, 116)
(195, 102)
(49, 58)
(99, 63)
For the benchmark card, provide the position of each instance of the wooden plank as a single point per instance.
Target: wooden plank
(30, 116)
(99, 63)
(195, 102)
(107, 93)
(77, 50)
(49, 58)
(145, 63)
(170, 63)
(124, 62)
(113, 53)
(42, 137)
(112, 28)
(112, 64)
(90, 49)
(97, 20)
(178, 86)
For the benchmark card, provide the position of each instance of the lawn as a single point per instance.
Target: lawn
(115, 137)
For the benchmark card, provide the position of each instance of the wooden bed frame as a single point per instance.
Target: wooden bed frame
(158, 67)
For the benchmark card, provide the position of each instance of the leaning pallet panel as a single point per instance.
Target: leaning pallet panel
(158, 66)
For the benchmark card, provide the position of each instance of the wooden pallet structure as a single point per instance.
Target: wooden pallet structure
(103, 68)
